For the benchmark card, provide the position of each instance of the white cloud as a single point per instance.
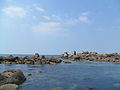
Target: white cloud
(15, 11)
(72, 22)
(38, 8)
(85, 13)
(46, 17)
(84, 19)
(55, 17)
(52, 17)
(47, 27)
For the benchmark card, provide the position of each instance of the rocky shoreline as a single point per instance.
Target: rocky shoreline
(92, 56)
(34, 59)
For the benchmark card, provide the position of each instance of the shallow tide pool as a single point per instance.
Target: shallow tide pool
(80, 75)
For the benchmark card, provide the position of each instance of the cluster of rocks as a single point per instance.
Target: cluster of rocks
(10, 79)
(35, 59)
(92, 56)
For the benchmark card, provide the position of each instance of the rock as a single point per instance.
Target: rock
(57, 88)
(30, 74)
(29, 61)
(10, 58)
(76, 57)
(65, 54)
(116, 85)
(88, 88)
(85, 52)
(36, 55)
(43, 57)
(66, 61)
(52, 63)
(9, 87)
(74, 53)
(40, 71)
(14, 76)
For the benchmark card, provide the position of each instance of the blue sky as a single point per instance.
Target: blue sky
(55, 26)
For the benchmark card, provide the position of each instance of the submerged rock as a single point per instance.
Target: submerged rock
(9, 87)
(57, 88)
(116, 85)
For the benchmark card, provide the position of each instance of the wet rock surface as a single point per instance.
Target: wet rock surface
(10, 79)
(14, 76)
(92, 56)
(9, 87)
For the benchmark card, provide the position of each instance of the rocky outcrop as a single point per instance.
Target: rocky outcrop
(10, 79)
(92, 56)
(14, 76)
(65, 54)
(35, 59)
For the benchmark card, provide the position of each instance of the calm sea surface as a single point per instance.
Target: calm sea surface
(80, 75)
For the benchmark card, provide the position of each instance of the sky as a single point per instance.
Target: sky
(56, 26)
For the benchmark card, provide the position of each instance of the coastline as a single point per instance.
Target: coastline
(92, 56)
(29, 59)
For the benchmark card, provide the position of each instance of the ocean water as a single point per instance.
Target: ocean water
(78, 75)
(23, 55)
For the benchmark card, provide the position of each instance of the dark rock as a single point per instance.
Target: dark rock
(43, 57)
(74, 53)
(29, 61)
(76, 57)
(66, 61)
(14, 76)
(36, 55)
(65, 54)
(30, 74)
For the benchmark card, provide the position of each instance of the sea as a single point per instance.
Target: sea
(77, 75)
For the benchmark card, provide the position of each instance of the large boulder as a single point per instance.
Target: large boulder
(29, 61)
(14, 76)
(36, 55)
(65, 54)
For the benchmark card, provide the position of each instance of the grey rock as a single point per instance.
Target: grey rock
(14, 76)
